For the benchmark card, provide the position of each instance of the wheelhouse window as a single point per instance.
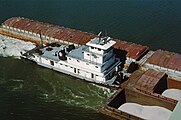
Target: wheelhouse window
(99, 49)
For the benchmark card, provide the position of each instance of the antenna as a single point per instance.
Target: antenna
(99, 33)
(108, 39)
(99, 36)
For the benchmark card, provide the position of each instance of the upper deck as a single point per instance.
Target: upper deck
(101, 43)
(50, 52)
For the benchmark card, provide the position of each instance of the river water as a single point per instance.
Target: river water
(30, 92)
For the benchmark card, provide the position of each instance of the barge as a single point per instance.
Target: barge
(144, 89)
(30, 30)
(127, 104)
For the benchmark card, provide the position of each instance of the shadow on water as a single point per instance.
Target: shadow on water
(32, 92)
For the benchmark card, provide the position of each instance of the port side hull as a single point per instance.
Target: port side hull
(72, 74)
(78, 76)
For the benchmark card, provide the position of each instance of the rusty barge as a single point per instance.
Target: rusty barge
(146, 74)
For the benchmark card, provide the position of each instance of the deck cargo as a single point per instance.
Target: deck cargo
(122, 96)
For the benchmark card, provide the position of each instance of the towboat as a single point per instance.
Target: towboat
(94, 62)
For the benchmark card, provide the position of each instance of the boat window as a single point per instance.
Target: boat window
(99, 49)
(69, 58)
(96, 66)
(52, 63)
(60, 63)
(92, 47)
(78, 61)
(92, 75)
(74, 70)
(88, 54)
(66, 65)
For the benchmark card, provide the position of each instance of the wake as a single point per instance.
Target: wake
(13, 47)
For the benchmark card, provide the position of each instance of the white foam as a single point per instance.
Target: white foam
(172, 93)
(146, 112)
(13, 47)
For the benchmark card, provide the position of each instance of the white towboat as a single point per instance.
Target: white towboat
(95, 62)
